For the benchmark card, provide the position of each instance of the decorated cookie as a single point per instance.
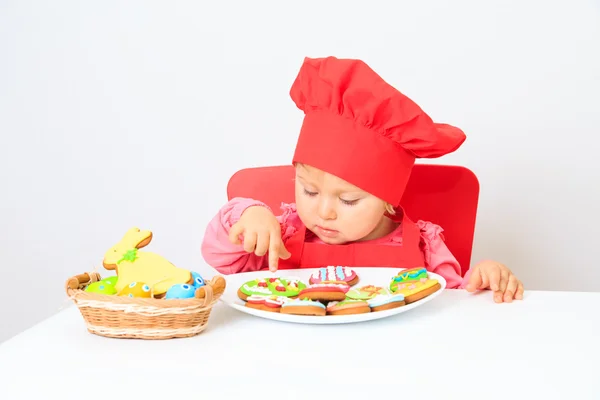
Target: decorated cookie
(386, 301)
(181, 291)
(303, 307)
(136, 289)
(346, 307)
(101, 287)
(198, 281)
(408, 276)
(418, 290)
(365, 292)
(333, 274)
(111, 280)
(266, 303)
(133, 265)
(284, 287)
(334, 291)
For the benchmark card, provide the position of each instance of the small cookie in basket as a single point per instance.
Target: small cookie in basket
(101, 287)
(386, 301)
(181, 291)
(285, 287)
(326, 291)
(419, 290)
(266, 303)
(197, 280)
(303, 307)
(136, 289)
(331, 274)
(408, 276)
(365, 292)
(346, 307)
(133, 265)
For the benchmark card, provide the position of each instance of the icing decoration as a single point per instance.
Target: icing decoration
(348, 303)
(383, 299)
(130, 255)
(327, 287)
(304, 302)
(268, 301)
(101, 287)
(365, 292)
(198, 280)
(135, 289)
(416, 287)
(133, 265)
(343, 274)
(273, 286)
(408, 276)
(111, 280)
(181, 291)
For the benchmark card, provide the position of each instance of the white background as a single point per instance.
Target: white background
(115, 114)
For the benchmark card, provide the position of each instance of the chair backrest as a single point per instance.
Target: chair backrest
(443, 194)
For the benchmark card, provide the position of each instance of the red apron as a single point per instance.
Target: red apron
(408, 254)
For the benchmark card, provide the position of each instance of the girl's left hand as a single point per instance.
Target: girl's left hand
(498, 278)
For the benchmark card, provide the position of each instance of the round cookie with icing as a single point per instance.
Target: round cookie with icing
(386, 301)
(327, 291)
(266, 303)
(303, 307)
(283, 287)
(346, 307)
(365, 292)
(407, 277)
(334, 274)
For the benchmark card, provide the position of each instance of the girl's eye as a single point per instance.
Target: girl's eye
(306, 192)
(349, 202)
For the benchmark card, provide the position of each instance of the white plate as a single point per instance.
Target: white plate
(367, 276)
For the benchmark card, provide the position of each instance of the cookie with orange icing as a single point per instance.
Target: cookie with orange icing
(365, 292)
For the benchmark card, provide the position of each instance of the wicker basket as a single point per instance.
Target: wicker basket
(143, 318)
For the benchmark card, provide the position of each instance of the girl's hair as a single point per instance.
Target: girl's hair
(388, 207)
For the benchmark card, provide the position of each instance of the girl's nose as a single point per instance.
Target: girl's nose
(326, 210)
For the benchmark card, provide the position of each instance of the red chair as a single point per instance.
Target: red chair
(445, 195)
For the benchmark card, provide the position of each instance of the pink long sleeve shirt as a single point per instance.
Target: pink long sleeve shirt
(229, 258)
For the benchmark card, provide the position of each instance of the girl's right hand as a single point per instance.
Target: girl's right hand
(261, 233)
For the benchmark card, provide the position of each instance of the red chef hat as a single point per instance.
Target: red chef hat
(361, 129)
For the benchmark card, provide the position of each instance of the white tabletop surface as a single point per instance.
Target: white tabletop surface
(457, 346)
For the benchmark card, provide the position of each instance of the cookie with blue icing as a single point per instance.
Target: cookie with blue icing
(334, 274)
(386, 301)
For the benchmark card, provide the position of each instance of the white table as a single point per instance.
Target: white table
(457, 346)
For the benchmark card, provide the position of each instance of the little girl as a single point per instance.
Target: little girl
(357, 146)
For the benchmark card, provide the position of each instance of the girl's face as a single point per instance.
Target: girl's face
(335, 210)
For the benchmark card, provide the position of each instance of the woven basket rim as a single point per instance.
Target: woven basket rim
(211, 297)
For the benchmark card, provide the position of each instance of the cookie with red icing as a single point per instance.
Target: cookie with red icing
(334, 274)
(266, 303)
(284, 287)
(325, 291)
(348, 306)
